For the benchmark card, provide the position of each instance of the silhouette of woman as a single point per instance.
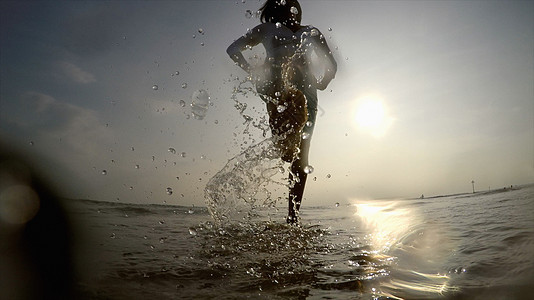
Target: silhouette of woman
(287, 84)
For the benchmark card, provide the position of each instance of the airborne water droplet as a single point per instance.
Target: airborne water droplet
(278, 94)
(104, 172)
(305, 135)
(278, 24)
(155, 87)
(308, 169)
(294, 10)
(248, 14)
(182, 154)
(184, 85)
(280, 108)
(169, 191)
(182, 103)
(309, 124)
(172, 150)
(199, 104)
(192, 231)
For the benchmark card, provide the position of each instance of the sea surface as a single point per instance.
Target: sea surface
(470, 246)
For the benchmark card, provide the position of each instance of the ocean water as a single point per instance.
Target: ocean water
(471, 246)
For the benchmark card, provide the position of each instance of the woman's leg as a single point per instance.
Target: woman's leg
(297, 180)
(297, 176)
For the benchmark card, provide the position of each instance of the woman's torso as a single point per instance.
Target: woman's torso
(282, 45)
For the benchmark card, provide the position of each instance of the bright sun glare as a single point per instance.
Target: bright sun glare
(371, 116)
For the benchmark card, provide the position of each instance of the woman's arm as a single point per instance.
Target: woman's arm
(235, 50)
(324, 52)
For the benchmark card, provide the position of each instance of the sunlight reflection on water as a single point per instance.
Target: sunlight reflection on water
(418, 247)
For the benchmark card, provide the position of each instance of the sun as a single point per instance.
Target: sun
(371, 116)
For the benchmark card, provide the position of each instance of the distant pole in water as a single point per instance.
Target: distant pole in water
(473, 183)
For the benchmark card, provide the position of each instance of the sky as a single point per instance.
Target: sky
(429, 96)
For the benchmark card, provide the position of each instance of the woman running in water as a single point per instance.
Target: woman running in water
(287, 84)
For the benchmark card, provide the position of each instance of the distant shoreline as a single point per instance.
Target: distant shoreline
(477, 193)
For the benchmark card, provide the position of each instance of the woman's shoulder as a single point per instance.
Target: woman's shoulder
(265, 26)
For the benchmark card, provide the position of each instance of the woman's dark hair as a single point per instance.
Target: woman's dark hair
(287, 12)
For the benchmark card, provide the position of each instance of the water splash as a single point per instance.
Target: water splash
(234, 192)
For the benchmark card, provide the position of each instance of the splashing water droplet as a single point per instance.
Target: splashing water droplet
(248, 14)
(192, 231)
(169, 191)
(155, 87)
(137, 166)
(294, 10)
(182, 154)
(305, 135)
(182, 103)
(184, 85)
(280, 108)
(278, 24)
(177, 73)
(104, 172)
(281, 169)
(337, 204)
(199, 104)
(328, 176)
(329, 28)
(314, 32)
(278, 94)
(172, 150)
(309, 124)
(308, 169)
(201, 31)
(31, 143)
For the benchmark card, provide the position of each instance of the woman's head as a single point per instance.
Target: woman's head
(287, 12)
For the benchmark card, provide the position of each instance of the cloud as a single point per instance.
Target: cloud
(80, 128)
(75, 73)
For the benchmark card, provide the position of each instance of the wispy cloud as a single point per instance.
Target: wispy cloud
(75, 73)
(77, 126)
